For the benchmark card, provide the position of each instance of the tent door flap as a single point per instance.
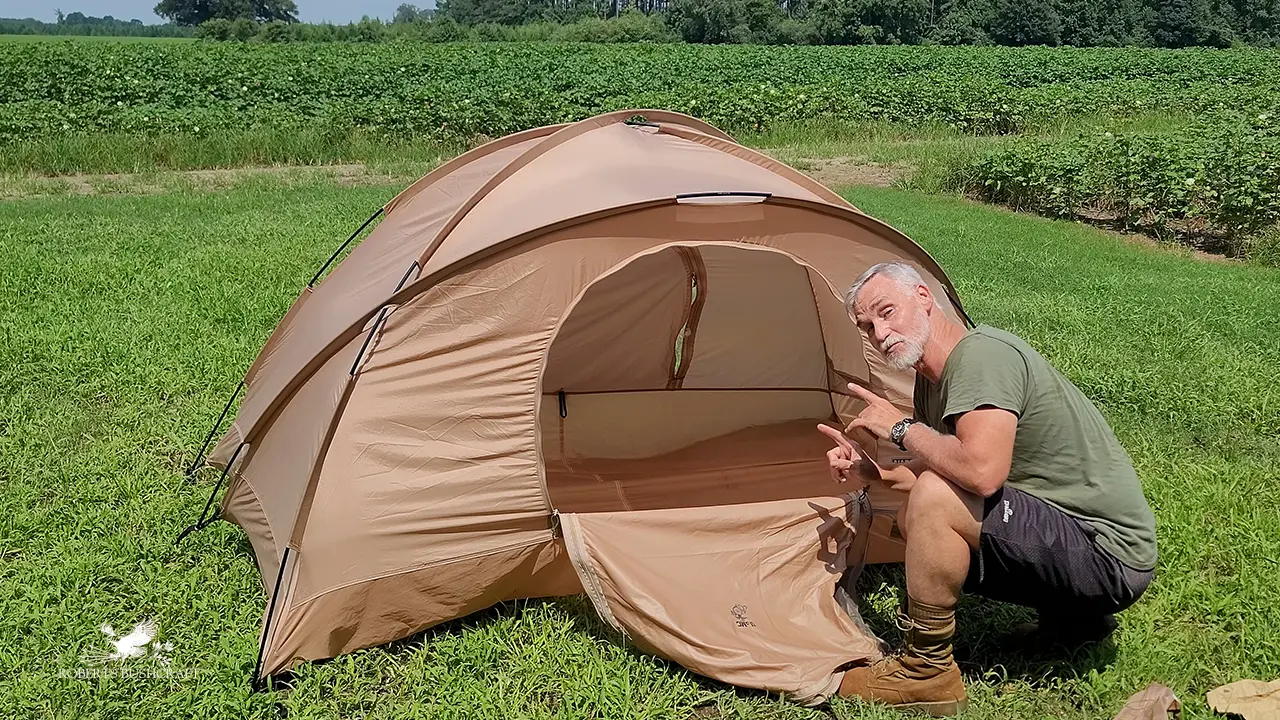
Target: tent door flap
(746, 594)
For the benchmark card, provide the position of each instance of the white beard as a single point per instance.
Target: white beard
(911, 349)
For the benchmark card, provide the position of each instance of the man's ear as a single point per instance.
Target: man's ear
(925, 296)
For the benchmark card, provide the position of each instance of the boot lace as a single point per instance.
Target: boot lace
(906, 625)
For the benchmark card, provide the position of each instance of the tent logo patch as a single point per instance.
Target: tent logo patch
(739, 613)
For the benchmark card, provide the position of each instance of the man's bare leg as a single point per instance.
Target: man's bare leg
(940, 523)
(949, 521)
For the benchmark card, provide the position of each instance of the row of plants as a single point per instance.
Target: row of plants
(1214, 184)
(458, 92)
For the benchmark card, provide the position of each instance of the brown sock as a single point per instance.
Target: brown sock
(932, 628)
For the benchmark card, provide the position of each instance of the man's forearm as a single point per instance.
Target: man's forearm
(946, 456)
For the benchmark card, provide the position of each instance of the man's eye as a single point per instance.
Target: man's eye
(887, 312)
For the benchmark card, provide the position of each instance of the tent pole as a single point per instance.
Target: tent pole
(191, 471)
(202, 522)
(255, 683)
(382, 315)
(959, 308)
(343, 246)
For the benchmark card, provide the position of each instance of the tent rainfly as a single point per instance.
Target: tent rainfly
(584, 358)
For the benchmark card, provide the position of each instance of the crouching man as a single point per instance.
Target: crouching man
(1019, 492)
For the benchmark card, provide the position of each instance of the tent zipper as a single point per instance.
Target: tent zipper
(682, 356)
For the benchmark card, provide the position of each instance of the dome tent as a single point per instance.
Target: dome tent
(584, 358)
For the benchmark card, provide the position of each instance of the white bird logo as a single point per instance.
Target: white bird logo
(136, 644)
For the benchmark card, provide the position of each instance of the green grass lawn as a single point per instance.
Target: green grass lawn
(128, 319)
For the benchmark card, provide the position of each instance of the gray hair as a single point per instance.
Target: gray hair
(903, 273)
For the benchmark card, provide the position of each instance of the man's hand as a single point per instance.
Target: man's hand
(847, 461)
(878, 417)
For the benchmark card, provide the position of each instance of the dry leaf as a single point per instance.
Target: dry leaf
(1155, 702)
(1250, 699)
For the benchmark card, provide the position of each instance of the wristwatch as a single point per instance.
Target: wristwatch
(899, 431)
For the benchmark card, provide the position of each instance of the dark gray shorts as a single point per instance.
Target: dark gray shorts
(1033, 554)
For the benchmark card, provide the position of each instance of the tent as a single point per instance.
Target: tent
(584, 358)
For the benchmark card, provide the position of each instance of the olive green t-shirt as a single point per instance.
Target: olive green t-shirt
(1064, 452)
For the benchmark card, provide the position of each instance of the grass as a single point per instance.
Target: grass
(133, 316)
(930, 150)
(126, 153)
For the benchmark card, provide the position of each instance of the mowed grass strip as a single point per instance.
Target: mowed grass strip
(128, 320)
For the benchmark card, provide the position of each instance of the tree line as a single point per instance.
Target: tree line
(1079, 23)
(80, 24)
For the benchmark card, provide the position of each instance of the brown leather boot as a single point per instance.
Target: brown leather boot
(924, 677)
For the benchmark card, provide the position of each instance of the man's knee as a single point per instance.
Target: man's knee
(930, 493)
(935, 502)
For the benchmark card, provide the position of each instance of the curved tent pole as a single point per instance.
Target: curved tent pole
(191, 471)
(425, 282)
(344, 245)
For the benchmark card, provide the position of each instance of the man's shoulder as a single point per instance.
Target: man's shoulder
(985, 343)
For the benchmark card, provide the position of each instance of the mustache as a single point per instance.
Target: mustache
(890, 340)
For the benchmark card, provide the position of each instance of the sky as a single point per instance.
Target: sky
(336, 11)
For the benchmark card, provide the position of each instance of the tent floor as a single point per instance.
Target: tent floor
(755, 464)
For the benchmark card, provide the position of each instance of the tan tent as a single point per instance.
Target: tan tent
(583, 358)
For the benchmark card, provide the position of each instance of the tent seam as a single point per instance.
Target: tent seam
(762, 160)
(575, 544)
(467, 158)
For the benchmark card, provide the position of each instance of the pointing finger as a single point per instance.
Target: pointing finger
(866, 395)
(836, 435)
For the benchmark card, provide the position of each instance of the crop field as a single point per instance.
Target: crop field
(135, 302)
(1181, 144)
(460, 91)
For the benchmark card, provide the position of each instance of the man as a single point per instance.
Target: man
(1019, 490)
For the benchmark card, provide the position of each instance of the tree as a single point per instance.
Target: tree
(724, 21)
(869, 22)
(475, 12)
(406, 14)
(195, 12)
(1025, 22)
(1259, 20)
(1181, 23)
